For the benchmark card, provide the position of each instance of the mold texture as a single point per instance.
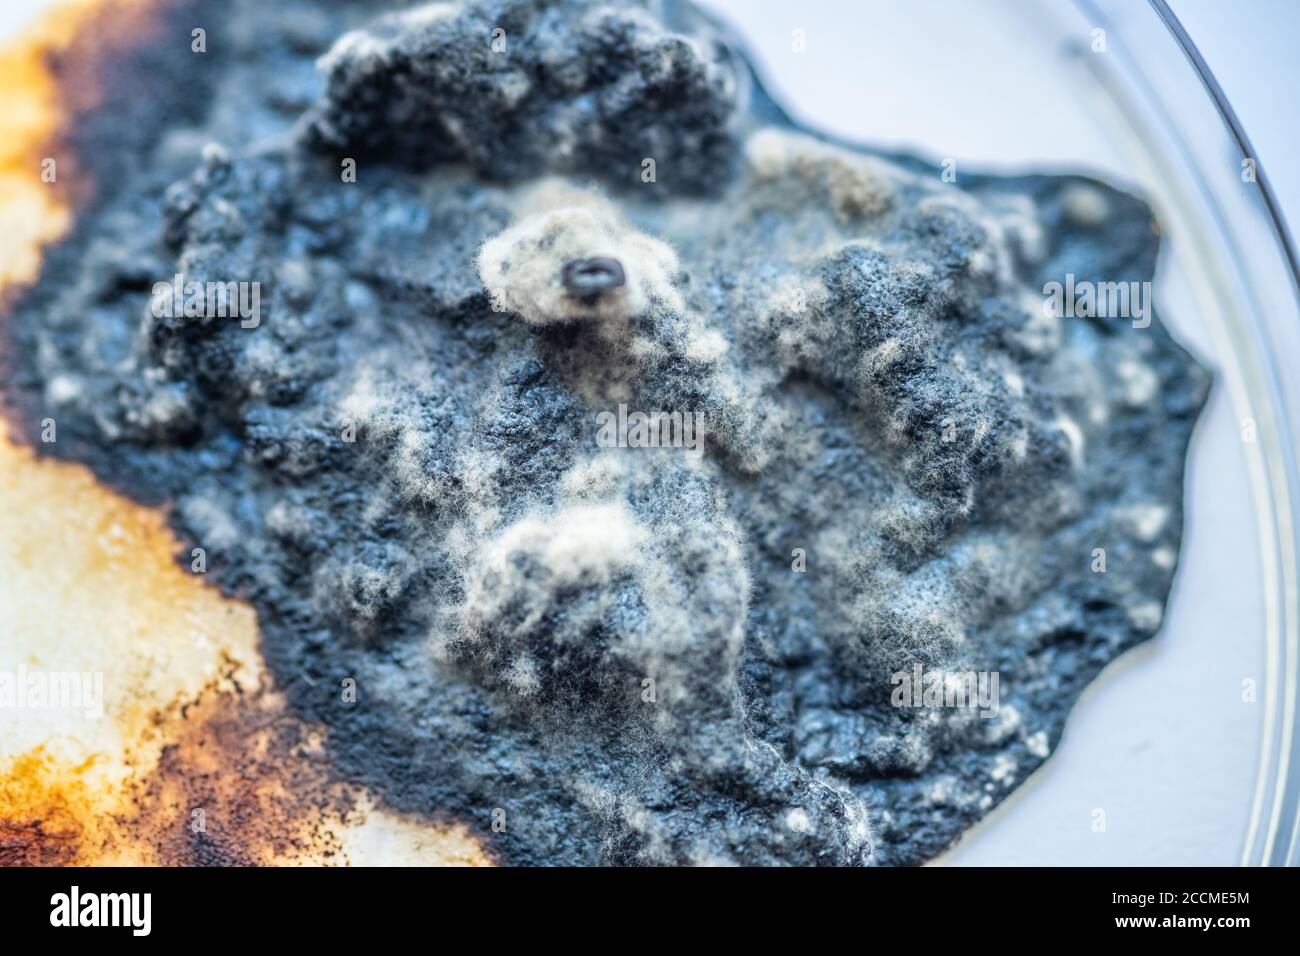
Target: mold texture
(617, 653)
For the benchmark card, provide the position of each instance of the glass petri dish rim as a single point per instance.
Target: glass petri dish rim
(1258, 338)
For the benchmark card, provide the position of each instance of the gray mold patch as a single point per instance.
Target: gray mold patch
(910, 467)
(516, 87)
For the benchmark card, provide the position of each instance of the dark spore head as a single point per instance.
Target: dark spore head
(588, 279)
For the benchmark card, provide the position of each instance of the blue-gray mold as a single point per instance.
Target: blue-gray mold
(642, 655)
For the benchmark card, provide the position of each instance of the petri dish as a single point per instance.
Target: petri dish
(1188, 743)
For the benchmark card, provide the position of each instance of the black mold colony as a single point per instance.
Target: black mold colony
(399, 463)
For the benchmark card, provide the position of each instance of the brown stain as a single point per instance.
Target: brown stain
(44, 813)
(240, 782)
(90, 582)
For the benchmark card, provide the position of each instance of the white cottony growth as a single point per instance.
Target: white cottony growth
(522, 267)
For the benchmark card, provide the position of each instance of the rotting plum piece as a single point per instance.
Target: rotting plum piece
(641, 655)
